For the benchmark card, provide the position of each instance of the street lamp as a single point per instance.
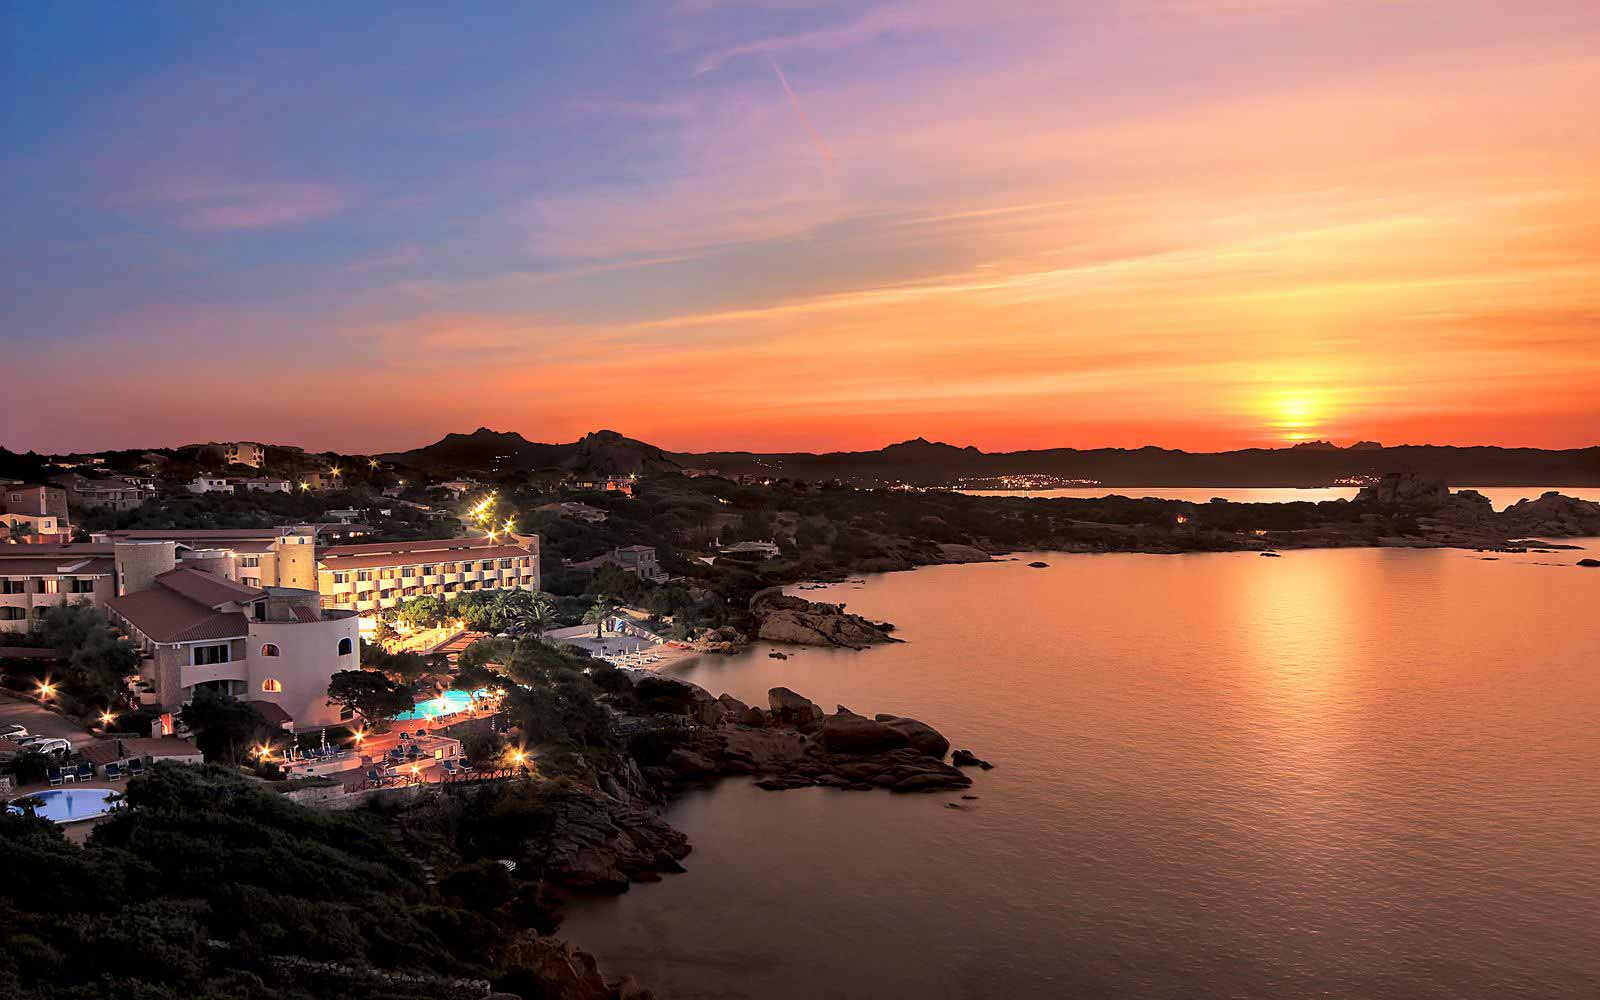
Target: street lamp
(106, 717)
(46, 689)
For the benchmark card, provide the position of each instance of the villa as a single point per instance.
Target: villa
(197, 630)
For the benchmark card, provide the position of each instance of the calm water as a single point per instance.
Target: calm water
(1501, 496)
(1352, 773)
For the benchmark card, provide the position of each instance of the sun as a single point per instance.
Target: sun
(1296, 413)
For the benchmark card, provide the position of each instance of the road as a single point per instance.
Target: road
(41, 721)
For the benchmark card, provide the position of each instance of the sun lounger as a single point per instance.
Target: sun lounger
(85, 771)
(136, 766)
(113, 772)
(449, 766)
(54, 774)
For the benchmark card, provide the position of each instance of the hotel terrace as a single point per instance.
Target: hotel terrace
(375, 577)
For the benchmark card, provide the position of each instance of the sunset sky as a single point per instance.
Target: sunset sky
(785, 225)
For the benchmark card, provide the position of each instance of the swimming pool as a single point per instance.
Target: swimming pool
(68, 805)
(451, 701)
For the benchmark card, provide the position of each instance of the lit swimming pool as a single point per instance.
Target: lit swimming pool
(68, 805)
(451, 701)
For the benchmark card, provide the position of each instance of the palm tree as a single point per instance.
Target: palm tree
(537, 616)
(596, 616)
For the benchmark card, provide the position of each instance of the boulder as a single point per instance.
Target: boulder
(1404, 489)
(930, 782)
(1038, 565)
(853, 734)
(1589, 563)
(966, 758)
(919, 735)
(690, 764)
(952, 553)
(732, 706)
(789, 708)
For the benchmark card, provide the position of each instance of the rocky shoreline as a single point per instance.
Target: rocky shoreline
(605, 830)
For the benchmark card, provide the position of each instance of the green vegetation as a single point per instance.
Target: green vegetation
(93, 666)
(212, 887)
(225, 728)
(371, 694)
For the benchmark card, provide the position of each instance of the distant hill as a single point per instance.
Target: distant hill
(602, 453)
(931, 463)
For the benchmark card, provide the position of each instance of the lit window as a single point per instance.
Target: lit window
(272, 685)
(269, 649)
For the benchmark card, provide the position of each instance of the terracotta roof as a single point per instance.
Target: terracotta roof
(11, 565)
(272, 712)
(200, 533)
(306, 614)
(158, 746)
(208, 589)
(167, 616)
(423, 545)
(102, 753)
(418, 558)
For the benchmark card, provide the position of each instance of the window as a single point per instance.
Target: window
(249, 561)
(346, 647)
(272, 685)
(50, 586)
(364, 575)
(83, 585)
(341, 577)
(13, 587)
(261, 610)
(13, 614)
(210, 654)
(269, 649)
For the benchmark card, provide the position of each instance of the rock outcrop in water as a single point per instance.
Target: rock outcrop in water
(810, 623)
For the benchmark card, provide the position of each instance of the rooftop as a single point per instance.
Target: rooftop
(207, 588)
(167, 616)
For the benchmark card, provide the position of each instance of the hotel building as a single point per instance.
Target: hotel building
(196, 630)
(375, 577)
(35, 578)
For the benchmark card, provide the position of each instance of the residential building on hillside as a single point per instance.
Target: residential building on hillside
(267, 485)
(35, 578)
(613, 484)
(205, 483)
(244, 453)
(374, 577)
(574, 510)
(35, 514)
(196, 630)
(639, 560)
(114, 493)
(766, 550)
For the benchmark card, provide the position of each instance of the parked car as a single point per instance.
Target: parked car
(54, 747)
(12, 731)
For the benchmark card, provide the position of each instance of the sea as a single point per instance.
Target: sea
(1500, 497)
(1351, 773)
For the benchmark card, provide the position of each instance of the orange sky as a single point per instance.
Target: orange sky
(1204, 224)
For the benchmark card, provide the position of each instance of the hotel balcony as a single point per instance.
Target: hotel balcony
(236, 670)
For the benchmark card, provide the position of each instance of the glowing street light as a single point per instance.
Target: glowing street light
(518, 757)
(304, 485)
(106, 717)
(46, 689)
(372, 462)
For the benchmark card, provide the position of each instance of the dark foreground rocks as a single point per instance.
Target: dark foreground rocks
(1589, 563)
